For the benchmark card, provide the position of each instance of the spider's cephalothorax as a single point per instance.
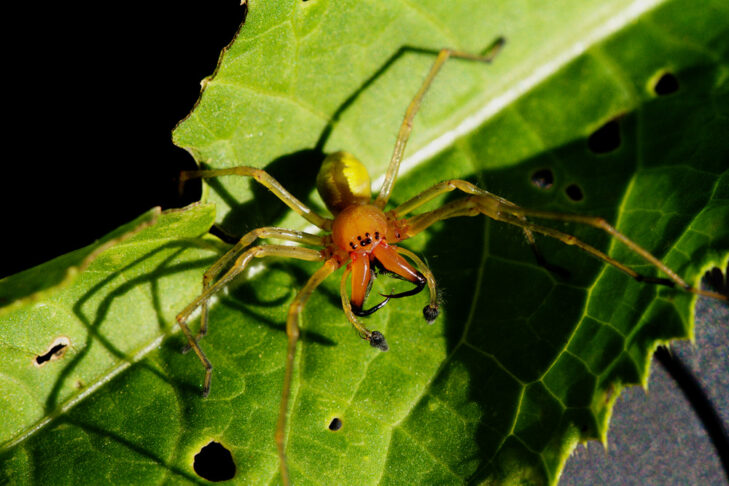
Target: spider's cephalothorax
(363, 237)
(361, 231)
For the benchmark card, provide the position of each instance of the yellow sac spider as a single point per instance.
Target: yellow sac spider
(362, 234)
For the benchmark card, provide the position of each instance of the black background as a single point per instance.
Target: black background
(92, 94)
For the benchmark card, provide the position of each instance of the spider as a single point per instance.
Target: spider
(363, 236)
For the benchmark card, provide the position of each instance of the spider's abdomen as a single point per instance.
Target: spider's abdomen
(359, 227)
(343, 181)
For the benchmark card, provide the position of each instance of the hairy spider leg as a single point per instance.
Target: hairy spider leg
(242, 244)
(240, 264)
(407, 124)
(465, 186)
(262, 177)
(496, 208)
(292, 332)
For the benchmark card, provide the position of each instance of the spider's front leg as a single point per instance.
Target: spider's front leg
(407, 124)
(430, 311)
(265, 179)
(375, 338)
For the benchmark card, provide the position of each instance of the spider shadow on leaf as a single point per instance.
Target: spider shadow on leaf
(244, 297)
(99, 312)
(294, 171)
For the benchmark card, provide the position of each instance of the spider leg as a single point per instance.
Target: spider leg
(267, 181)
(441, 188)
(499, 209)
(465, 186)
(292, 332)
(240, 264)
(242, 244)
(602, 224)
(376, 339)
(407, 124)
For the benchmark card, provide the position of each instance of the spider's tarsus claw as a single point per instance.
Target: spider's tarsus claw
(430, 313)
(377, 340)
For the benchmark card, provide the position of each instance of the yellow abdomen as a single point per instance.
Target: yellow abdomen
(343, 181)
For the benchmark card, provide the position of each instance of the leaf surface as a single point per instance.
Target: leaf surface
(522, 364)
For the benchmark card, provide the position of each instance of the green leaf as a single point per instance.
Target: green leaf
(521, 365)
(105, 316)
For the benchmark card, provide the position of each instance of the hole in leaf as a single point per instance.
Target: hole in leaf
(55, 351)
(666, 84)
(574, 192)
(335, 424)
(214, 463)
(605, 139)
(543, 178)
